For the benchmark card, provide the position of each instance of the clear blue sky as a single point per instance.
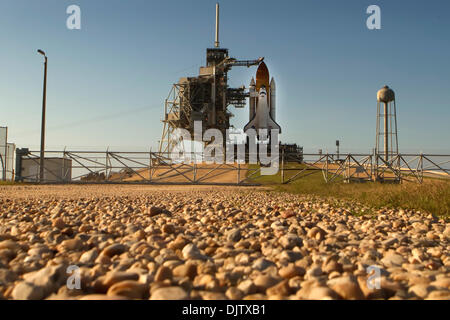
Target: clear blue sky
(107, 82)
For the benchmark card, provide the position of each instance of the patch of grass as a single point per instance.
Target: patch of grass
(433, 196)
(7, 183)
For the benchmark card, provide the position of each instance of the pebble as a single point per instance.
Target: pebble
(114, 277)
(153, 211)
(71, 245)
(265, 281)
(169, 293)
(89, 256)
(9, 244)
(392, 259)
(163, 273)
(168, 228)
(114, 249)
(234, 235)
(291, 271)
(234, 293)
(190, 251)
(346, 287)
(290, 241)
(247, 287)
(185, 270)
(59, 223)
(322, 293)
(102, 297)
(280, 289)
(27, 291)
(261, 264)
(130, 289)
(196, 242)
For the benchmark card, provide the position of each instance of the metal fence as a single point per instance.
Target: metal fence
(159, 168)
(373, 167)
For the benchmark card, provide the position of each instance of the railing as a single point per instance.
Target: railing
(158, 168)
(369, 167)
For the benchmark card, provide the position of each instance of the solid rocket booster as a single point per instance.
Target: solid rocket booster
(252, 102)
(272, 99)
(262, 101)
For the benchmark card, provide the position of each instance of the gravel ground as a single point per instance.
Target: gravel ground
(185, 242)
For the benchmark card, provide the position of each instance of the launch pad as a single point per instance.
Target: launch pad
(207, 98)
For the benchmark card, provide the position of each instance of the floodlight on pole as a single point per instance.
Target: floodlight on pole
(44, 98)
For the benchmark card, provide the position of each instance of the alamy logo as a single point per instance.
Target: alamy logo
(73, 22)
(74, 280)
(374, 20)
(374, 279)
(259, 145)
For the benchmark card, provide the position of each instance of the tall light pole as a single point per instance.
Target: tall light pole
(41, 167)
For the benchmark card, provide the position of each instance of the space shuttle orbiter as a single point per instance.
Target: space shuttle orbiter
(262, 101)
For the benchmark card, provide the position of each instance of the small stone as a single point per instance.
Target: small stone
(15, 231)
(59, 223)
(114, 249)
(390, 242)
(265, 281)
(262, 264)
(139, 235)
(290, 256)
(322, 293)
(280, 289)
(291, 271)
(441, 283)
(114, 277)
(89, 256)
(6, 276)
(207, 295)
(27, 291)
(347, 287)
(316, 233)
(102, 259)
(314, 271)
(439, 295)
(153, 211)
(421, 290)
(169, 293)
(234, 293)
(332, 266)
(163, 273)
(290, 241)
(97, 297)
(247, 287)
(49, 278)
(234, 235)
(130, 289)
(177, 244)
(287, 214)
(190, 251)
(71, 245)
(392, 259)
(9, 244)
(168, 228)
(256, 296)
(185, 270)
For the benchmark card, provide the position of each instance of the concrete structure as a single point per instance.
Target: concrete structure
(55, 170)
(6, 156)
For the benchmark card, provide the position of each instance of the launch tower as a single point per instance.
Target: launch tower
(204, 98)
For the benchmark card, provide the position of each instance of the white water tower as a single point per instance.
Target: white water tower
(387, 138)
